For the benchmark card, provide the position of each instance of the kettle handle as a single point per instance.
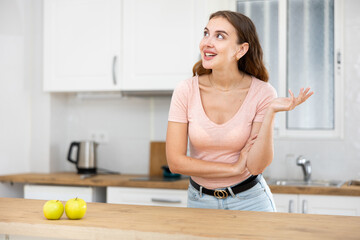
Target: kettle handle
(72, 145)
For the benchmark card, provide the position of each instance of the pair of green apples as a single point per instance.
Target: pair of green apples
(75, 208)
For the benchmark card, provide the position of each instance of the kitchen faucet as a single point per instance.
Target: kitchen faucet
(306, 167)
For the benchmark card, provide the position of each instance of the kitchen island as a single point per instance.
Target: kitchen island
(118, 221)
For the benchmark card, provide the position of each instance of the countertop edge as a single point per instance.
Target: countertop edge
(125, 180)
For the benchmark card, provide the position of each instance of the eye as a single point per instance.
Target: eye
(219, 36)
(206, 34)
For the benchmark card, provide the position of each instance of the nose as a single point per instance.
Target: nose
(208, 42)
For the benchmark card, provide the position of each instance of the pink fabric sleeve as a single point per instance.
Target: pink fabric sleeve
(179, 103)
(268, 94)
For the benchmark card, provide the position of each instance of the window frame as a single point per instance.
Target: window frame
(281, 132)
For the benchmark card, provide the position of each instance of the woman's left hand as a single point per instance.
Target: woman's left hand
(287, 104)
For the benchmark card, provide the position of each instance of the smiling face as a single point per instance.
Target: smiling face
(219, 47)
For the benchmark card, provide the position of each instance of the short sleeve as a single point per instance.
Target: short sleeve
(268, 93)
(179, 103)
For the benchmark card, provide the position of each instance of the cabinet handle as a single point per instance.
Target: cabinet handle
(338, 58)
(338, 62)
(163, 200)
(291, 206)
(114, 70)
(304, 207)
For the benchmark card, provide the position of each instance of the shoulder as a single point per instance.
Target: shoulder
(186, 86)
(264, 88)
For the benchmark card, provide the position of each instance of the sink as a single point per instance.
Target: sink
(314, 183)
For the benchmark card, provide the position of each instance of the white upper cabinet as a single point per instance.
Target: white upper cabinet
(128, 45)
(161, 39)
(82, 45)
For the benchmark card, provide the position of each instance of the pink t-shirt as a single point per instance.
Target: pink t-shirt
(214, 142)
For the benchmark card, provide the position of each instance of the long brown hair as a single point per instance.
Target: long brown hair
(252, 62)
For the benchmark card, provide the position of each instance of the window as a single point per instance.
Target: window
(300, 40)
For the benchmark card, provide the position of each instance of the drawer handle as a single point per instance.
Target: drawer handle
(163, 200)
(291, 206)
(304, 207)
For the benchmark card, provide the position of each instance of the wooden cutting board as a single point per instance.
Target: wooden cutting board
(157, 158)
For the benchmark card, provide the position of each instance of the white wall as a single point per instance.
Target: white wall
(130, 123)
(125, 120)
(37, 128)
(25, 109)
(41, 104)
(14, 97)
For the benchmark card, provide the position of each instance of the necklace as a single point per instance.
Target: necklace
(224, 90)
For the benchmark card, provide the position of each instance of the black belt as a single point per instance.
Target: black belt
(224, 193)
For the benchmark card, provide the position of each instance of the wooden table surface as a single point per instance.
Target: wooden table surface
(117, 221)
(104, 180)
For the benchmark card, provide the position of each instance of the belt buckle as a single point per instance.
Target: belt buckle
(220, 194)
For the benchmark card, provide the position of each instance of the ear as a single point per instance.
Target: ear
(243, 48)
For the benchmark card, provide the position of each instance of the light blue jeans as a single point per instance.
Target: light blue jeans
(257, 198)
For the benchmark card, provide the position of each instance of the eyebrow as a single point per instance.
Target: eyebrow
(217, 31)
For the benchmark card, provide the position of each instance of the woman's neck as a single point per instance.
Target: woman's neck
(227, 80)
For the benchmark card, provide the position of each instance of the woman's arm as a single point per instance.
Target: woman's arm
(262, 152)
(176, 147)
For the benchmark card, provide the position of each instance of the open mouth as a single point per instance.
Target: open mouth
(209, 55)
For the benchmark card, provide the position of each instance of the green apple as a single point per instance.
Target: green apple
(75, 208)
(53, 209)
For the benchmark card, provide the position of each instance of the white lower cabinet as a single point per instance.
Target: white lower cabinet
(331, 205)
(147, 196)
(318, 204)
(287, 203)
(64, 193)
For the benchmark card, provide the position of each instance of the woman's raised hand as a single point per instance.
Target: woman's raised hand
(287, 104)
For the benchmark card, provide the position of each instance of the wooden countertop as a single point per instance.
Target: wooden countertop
(117, 221)
(104, 180)
(99, 180)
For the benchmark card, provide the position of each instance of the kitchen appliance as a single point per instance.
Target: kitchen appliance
(168, 174)
(85, 160)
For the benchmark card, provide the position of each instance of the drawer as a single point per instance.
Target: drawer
(64, 193)
(147, 196)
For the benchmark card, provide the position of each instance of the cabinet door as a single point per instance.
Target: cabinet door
(64, 193)
(161, 39)
(330, 205)
(82, 45)
(287, 203)
(147, 196)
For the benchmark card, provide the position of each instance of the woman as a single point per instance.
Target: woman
(227, 112)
